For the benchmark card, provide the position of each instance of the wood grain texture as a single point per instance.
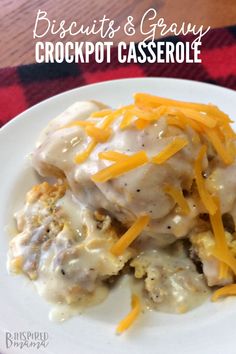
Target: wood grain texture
(17, 18)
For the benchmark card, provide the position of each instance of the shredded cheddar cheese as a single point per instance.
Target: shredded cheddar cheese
(220, 239)
(225, 257)
(204, 119)
(225, 291)
(108, 120)
(112, 156)
(132, 315)
(121, 167)
(100, 135)
(205, 196)
(130, 235)
(126, 120)
(149, 116)
(176, 145)
(141, 123)
(81, 157)
(227, 131)
(221, 250)
(187, 122)
(231, 148)
(213, 136)
(155, 101)
(178, 197)
(224, 271)
(101, 114)
(218, 228)
(172, 120)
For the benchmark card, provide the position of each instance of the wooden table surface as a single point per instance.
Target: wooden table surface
(17, 18)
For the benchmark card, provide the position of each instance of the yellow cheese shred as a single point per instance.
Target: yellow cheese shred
(149, 115)
(101, 114)
(225, 257)
(222, 151)
(176, 145)
(132, 315)
(81, 157)
(184, 120)
(100, 135)
(155, 101)
(112, 156)
(141, 123)
(218, 228)
(204, 119)
(108, 120)
(205, 196)
(220, 239)
(126, 120)
(172, 120)
(225, 291)
(178, 197)
(223, 271)
(231, 148)
(130, 235)
(121, 167)
(221, 250)
(228, 131)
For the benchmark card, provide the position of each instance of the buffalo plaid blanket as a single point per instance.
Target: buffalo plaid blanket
(23, 86)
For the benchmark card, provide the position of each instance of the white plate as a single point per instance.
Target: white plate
(207, 329)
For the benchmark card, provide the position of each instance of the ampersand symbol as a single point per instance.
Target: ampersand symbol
(129, 26)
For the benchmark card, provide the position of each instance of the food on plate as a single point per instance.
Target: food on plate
(147, 190)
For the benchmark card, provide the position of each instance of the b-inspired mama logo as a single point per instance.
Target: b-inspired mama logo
(27, 339)
(148, 50)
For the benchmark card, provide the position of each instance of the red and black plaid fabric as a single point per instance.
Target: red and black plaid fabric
(24, 86)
